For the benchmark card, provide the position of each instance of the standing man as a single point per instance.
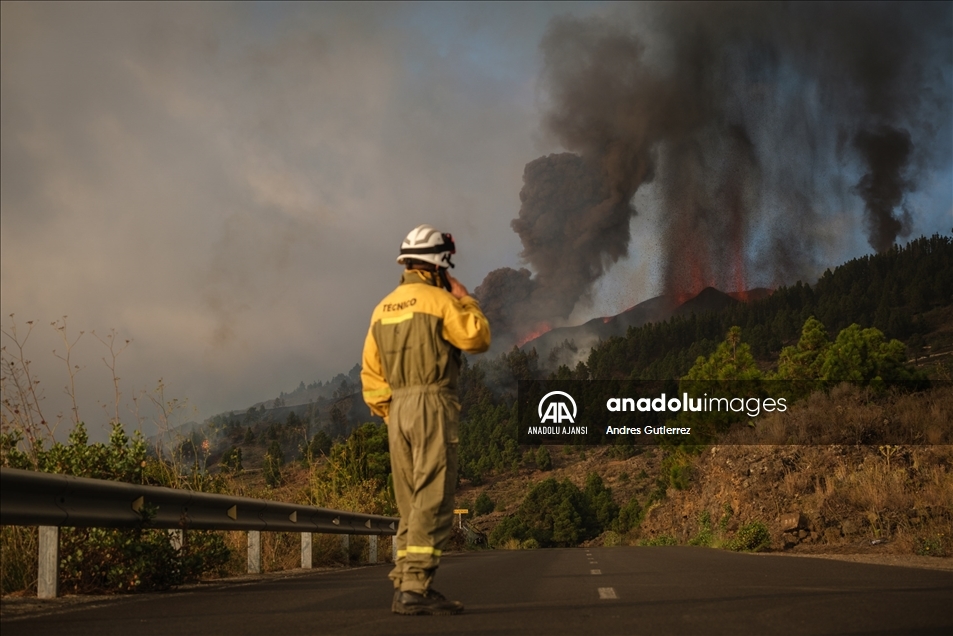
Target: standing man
(410, 367)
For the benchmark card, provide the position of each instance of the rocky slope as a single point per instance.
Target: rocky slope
(891, 498)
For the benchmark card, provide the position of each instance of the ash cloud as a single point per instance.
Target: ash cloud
(573, 224)
(751, 121)
(886, 152)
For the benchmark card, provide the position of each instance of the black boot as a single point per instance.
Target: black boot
(430, 602)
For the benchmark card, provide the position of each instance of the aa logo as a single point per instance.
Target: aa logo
(555, 407)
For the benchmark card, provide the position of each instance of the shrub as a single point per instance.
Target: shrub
(705, 537)
(544, 460)
(483, 505)
(510, 529)
(232, 460)
(630, 516)
(676, 472)
(662, 539)
(750, 537)
(600, 501)
(553, 513)
(611, 539)
(274, 461)
(930, 546)
(102, 559)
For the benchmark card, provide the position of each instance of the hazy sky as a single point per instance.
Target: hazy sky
(228, 185)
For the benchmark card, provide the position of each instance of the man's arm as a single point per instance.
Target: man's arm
(376, 390)
(464, 325)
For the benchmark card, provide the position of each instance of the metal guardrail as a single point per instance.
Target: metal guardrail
(29, 498)
(51, 501)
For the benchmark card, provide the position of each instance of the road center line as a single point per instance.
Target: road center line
(595, 571)
(607, 593)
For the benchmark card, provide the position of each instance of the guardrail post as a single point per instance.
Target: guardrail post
(177, 538)
(346, 547)
(254, 552)
(393, 547)
(306, 550)
(48, 570)
(372, 549)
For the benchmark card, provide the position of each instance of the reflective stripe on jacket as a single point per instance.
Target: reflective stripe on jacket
(415, 338)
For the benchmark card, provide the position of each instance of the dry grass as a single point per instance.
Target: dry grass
(18, 571)
(887, 496)
(855, 415)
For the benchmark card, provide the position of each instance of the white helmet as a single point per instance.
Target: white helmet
(425, 243)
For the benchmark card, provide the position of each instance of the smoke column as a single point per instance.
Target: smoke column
(886, 152)
(748, 119)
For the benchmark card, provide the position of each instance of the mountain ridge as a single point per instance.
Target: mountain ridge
(656, 309)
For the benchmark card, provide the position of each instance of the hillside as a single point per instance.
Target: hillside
(674, 494)
(564, 345)
(895, 499)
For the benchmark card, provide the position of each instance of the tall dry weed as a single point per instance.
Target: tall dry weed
(18, 563)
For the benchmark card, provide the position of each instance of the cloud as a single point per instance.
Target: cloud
(228, 184)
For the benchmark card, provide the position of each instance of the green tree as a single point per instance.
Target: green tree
(367, 453)
(629, 517)
(803, 361)
(339, 421)
(865, 356)
(232, 460)
(274, 461)
(556, 514)
(599, 497)
(483, 505)
(292, 422)
(544, 461)
(732, 360)
(319, 446)
(731, 364)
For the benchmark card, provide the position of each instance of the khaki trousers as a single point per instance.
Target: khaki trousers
(422, 433)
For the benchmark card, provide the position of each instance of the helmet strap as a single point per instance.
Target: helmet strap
(439, 274)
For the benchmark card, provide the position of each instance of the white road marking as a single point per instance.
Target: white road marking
(607, 593)
(595, 571)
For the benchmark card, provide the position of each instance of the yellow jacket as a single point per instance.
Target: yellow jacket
(415, 338)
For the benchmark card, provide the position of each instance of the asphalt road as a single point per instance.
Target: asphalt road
(665, 590)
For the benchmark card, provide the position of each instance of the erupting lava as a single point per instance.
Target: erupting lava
(537, 330)
(697, 263)
(710, 113)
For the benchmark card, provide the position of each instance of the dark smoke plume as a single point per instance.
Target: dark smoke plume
(573, 223)
(886, 152)
(744, 119)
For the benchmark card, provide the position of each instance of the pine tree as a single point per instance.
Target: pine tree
(803, 361)
(274, 460)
